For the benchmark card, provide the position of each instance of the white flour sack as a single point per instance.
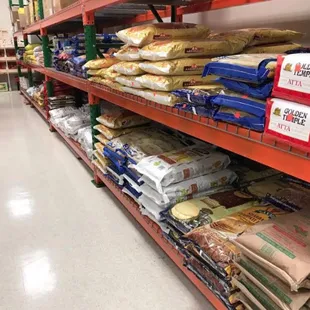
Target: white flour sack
(187, 187)
(179, 165)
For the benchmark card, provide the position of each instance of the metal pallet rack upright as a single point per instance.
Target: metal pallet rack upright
(245, 142)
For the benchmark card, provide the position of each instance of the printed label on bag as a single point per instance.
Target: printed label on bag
(193, 68)
(295, 73)
(290, 119)
(194, 50)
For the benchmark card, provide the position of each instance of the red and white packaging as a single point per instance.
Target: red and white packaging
(288, 121)
(292, 79)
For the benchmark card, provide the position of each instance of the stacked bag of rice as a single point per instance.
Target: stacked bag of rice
(208, 230)
(155, 60)
(30, 56)
(246, 80)
(181, 174)
(275, 270)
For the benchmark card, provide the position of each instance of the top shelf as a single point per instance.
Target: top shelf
(117, 12)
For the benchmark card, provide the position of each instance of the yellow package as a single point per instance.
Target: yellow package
(29, 52)
(271, 48)
(128, 68)
(104, 161)
(128, 53)
(109, 73)
(111, 84)
(95, 79)
(99, 147)
(183, 66)
(102, 139)
(130, 81)
(117, 118)
(110, 133)
(98, 165)
(132, 91)
(169, 83)
(183, 49)
(93, 72)
(162, 97)
(142, 35)
(270, 35)
(31, 46)
(101, 63)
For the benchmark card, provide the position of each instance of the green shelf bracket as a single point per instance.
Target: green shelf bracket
(40, 9)
(26, 42)
(19, 71)
(49, 88)
(94, 113)
(30, 78)
(21, 3)
(90, 42)
(46, 52)
(10, 3)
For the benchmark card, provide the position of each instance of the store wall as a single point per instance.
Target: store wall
(289, 14)
(5, 20)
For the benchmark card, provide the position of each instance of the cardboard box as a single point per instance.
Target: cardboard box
(48, 8)
(14, 14)
(31, 11)
(61, 4)
(24, 17)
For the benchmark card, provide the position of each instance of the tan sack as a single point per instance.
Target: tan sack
(142, 35)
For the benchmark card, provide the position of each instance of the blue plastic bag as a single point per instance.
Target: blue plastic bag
(241, 118)
(201, 110)
(230, 99)
(256, 91)
(196, 96)
(251, 68)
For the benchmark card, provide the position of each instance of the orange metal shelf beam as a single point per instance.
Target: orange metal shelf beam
(67, 78)
(250, 144)
(155, 232)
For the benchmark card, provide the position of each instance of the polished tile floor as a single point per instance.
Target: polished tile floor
(66, 245)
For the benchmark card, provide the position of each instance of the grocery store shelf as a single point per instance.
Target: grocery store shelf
(156, 233)
(248, 143)
(86, 6)
(66, 78)
(76, 148)
(35, 104)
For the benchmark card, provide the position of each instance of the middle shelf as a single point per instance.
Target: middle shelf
(245, 142)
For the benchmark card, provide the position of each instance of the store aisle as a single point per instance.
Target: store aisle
(66, 244)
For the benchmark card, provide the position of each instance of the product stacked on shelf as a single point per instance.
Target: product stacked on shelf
(205, 230)
(69, 54)
(72, 121)
(288, 118)
(33, 54)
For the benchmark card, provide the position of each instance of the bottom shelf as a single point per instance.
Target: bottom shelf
(155, 232)
(76, 148)
(152, 228)
(34, 104)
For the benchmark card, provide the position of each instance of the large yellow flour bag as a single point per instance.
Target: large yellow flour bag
(142, 35)
(128, 68)
(184, 66)
(129, 81)
(166, 50)
(169, 83)
(101, 63)
(128, 53)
